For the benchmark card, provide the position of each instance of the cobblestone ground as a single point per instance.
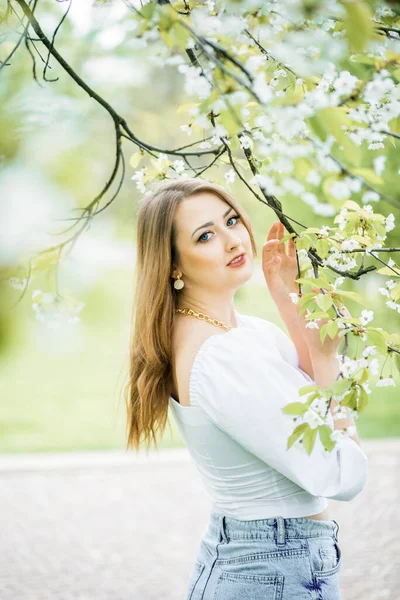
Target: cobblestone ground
(115, 526)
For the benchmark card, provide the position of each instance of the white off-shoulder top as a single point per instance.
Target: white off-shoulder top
(236, 432)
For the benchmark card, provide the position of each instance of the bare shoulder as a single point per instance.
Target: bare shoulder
(186, 341)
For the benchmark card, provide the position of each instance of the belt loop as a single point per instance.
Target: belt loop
(222, 532)
(280, 534)
(336, 530)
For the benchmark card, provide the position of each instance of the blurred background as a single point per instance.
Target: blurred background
(61, 384)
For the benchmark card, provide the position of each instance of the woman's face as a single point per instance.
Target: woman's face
(205, 249)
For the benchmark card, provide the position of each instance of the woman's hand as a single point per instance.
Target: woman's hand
(281, 281)
(281, 275)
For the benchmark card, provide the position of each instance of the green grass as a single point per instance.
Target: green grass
(71, 398)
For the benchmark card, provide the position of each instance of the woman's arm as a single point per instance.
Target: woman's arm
(290, 317)
(281, 280)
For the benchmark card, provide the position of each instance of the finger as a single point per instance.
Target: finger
(271, 267)
(291, 248)
(273, 231)
(281, 233)
(270, 248)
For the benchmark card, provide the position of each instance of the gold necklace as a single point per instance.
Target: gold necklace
(203, 317)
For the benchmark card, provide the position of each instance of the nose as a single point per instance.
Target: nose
(233, 239)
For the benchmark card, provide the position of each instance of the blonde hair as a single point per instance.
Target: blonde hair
(155, 300)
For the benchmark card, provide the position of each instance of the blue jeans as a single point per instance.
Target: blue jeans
(267, 559)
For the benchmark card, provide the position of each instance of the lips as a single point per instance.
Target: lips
(237, 256)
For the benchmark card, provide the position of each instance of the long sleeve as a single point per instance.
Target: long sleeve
(242, 385)
(283, 342)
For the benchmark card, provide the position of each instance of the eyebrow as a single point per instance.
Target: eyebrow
(211, 222)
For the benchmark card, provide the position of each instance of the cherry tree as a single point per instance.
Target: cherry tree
(300, 102)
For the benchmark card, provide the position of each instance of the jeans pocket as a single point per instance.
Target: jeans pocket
(326, 558)
(254, 587)
(194, 579)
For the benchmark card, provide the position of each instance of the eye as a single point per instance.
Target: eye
(237, 217)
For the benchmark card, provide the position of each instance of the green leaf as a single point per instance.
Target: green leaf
(305, 297)
(336, 122)
(318, 314)
(364, 375)
(324, 301)
(388, 271)
(309, 438)
(322, 333)
(324, 435)
(362, 400)
(229, 122)
(340, 387)
(376, 338)
(307, 388)
(295, 408)
(318, 282)
(358, 25)
(322, 246)
(351, 205)
(147, 11)
(350, 400)
(296, 434)
(368, 175)
(331, 329)
(353, 296)
(135, 159)
(303, 242)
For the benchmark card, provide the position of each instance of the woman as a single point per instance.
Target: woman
(226, 377)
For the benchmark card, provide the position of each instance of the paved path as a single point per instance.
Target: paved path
(116, 526)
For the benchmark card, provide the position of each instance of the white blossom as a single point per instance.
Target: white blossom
(379, 164)
(264, 91)
(294, 297)
(369, 350)
(18, 284)
(324, 209)
(245, 141)
(374, 366)
(179, 166)
(366, 387)
(348, 367)
(230, 176)
(388, 381)
(325, 229)
(312, 325)
(314, 177)
(370, 196)
(186, 128)
(389, 222)
(340, 190)
(338, 282)
(366, 316)
(345, 83)
(309, 198)
(393, 305)
(312, 418)
(138, 177)
(349, 244)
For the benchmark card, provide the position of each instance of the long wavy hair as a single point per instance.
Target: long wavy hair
(155, 300)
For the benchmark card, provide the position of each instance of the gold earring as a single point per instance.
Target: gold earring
(178, 283)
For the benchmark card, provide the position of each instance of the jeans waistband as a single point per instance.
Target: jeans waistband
(278, 528)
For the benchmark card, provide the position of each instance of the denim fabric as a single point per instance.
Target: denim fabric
(267, 559)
